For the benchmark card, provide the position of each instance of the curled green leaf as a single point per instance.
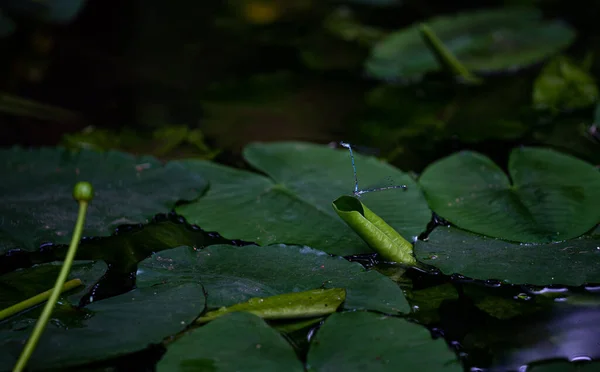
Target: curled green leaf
(312, 303)
(374, 230)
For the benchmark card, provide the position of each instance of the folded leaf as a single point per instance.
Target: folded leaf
(305, 304)
(374, 231)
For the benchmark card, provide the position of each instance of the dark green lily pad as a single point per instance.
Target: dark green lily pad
(231, 275)
(293, 205)
(37, 206)
(235, 342)
(105, 329)
(572, 262)
(483, 41)
(363, 341)
(549, 197)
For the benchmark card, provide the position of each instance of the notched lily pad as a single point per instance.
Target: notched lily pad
(483, 40)
(572, 262)
(36, 200)
(550, 196)
(363, 341)
(293, 204)
(235, 342)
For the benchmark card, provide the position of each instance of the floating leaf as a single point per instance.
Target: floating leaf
(231, 275)
(362, 341)
(293, 205)
(312, 303)
(235, 342)
(379, 235)
(37, 205)
(483, 40)
(562, 85)
(109, 328)
(552, 196)
(572, 262)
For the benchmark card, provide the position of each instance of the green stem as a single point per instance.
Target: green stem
(445, 56)
(64, 272)
(37, 299)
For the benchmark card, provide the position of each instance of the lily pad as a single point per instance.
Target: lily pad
(572, 262)
(549, 197)
(37, 206)
(109, 328)
(363, 341)
(231, 275)
(483, 40)
(235, 342)
(293, 204)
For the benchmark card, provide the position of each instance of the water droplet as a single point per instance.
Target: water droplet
(580, 358)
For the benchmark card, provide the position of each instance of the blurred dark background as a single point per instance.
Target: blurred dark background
(189, 78)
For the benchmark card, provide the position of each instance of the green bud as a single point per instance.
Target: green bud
(83, 191)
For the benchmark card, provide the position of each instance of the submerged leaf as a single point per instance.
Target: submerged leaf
(376, 232)
(552, 196)
(312, 303)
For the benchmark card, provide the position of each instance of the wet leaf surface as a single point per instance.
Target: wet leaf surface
(363, 341)
(112, 327)
(231, 275)
(293, 204)
(572, 262)
(235, 342)
(550, 196)
(37, 206)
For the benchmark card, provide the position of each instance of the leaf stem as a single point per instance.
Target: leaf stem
(83, 193)
(445, 56)
(37, 299)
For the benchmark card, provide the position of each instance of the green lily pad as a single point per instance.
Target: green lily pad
(363, 341)
(235, 342)
(231, 275)
(306, 304)
(483, 40)
(105, 329)
(563, 85)
(293, 204)
(552, 196)
(572, 262)
(36, 201)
